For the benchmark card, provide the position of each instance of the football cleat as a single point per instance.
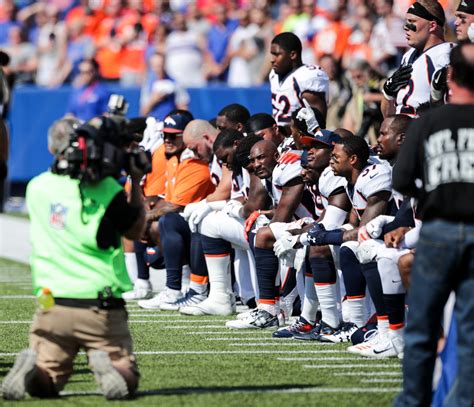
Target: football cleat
(217, 304)
(300, 325)
(167, 296)
(398, 344)
(191, 298)
(382, 348)
(141, 291)
(257, 320)
(325, 332)
(311, 335)
(367, 344)
(111, 382)
(246, 314)
(342, 334)
(15, 384)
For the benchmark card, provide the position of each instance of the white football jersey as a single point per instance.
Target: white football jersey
(287, 91)
(216, 170)
(373, 178)
(425, 65)
(281, 175)
(240, 184)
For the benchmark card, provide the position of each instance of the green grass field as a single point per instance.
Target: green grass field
(196, 361)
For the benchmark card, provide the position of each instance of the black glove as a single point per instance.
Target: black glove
(439, 84)
(397, 81)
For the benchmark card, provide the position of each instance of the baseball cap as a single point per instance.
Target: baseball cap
(175, 123)
(325, 138)
(466, 6)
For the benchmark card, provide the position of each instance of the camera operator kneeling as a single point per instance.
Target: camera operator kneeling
(79, 276)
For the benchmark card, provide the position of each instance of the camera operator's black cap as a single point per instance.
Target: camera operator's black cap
(466, 6)
(175, 123)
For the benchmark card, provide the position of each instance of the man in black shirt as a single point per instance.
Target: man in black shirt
(436, 165)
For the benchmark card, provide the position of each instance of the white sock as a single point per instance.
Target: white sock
(327, 295)
(310, 302)
(356, 308)
(382, 326)
(198, 287)
(273, 309)
(219, 274)
(132, 266)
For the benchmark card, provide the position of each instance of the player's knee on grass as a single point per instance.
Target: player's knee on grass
(404, 266)
(265, 238)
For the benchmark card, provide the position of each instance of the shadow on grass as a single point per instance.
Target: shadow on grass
(185, 391)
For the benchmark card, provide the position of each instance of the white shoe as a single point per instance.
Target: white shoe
(217, 304)
(398, 344)
(142, 290)
(246, 314)
(260, 319)
(383, 348)
(368, 344)
(167, 296)
(191, 298)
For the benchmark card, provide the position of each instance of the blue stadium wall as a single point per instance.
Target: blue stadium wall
(33, 110)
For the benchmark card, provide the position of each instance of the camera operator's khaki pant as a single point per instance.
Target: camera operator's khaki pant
(58, 334)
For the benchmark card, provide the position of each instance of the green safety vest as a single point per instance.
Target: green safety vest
(65, 256)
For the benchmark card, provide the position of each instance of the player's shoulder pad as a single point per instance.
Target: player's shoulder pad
(312, 78)
(374, 178)
(284, 173)
(328, 182)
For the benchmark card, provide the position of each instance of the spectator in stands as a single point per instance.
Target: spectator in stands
(261, 63)
(242, 49)
(7, 20)
(90, 96)
(22, 54)
(387, 37)
(217, 43)
(363, 116)
(132, 55)
(158, 96)
(464, 19)
(51, 57)
(339, 89)
(185, 54)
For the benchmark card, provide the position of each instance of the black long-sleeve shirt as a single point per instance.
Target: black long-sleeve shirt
(436, 163)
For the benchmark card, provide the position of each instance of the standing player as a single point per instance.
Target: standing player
(291, 80)
(410, 86)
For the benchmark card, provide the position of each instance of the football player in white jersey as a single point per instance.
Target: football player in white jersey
(410, 86)
(291, 80)
(220, 232)
(369, 190)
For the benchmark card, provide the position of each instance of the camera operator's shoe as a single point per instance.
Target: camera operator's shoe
(167, 296)
(216, 304)
(260, 319)
(190, 299)
(15, 384)
(111, 382)
(141, 291)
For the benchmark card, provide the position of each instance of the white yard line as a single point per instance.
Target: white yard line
(260, 338)
(323, 358)
(178, 321)
(378, 373)
(381, 380)
(344, 366)
(16, 297)
(212, 352)
(282, 343)
(233, 332)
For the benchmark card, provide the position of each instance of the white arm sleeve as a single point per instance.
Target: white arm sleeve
(334, 217)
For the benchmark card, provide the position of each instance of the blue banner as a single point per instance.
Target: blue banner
(34, 109)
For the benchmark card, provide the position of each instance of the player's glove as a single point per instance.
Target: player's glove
(319, 236)
(190, 208)
(232, 209)
(397, 81)
(307, 114)
(198, 215)
(375, 227)
(284, 244)
(255, 218)
(439, 85)
(367, 251)
(470, 32)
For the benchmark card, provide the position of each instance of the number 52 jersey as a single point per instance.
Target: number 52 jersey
(287, 91)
